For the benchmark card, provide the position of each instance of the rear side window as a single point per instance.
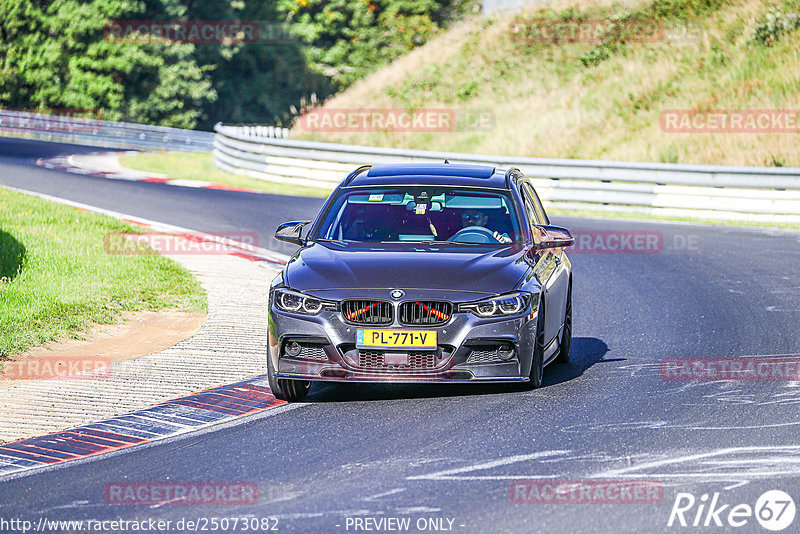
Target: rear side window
(532, 199)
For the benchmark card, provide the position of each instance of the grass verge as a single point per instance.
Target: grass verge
(200, 166)
(56, 280)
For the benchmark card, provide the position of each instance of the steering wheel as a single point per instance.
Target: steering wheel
(474, 234)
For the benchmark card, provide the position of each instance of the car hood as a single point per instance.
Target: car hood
(475, 270)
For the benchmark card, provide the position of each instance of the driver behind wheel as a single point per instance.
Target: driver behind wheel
(478, 218)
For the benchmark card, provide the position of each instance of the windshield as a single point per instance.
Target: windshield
(417, 214)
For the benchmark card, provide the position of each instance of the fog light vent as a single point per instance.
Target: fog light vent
(505, 352)
(292, 349)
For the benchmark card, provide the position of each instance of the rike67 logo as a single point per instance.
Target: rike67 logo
(774, 510)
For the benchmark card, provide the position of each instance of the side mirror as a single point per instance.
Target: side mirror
(553, 237)
(291, 232)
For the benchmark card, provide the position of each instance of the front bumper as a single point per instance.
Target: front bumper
(463, 354)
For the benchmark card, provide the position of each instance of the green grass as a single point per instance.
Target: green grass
(56, 280)
(200, 166)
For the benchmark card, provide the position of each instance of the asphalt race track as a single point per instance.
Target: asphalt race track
(449, 454)
(213, 211)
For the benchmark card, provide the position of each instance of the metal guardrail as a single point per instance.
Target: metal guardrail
(491, 7)
(757, 194)
(101, 133)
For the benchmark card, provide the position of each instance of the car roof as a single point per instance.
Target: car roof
(429, 174)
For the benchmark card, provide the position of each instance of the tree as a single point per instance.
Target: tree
(348, 39)
(60, 54)
(56, 55)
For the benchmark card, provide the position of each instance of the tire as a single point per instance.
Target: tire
(537, 363)
(566, 336)
(284, 389)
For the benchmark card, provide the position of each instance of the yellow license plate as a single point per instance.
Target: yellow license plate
(395, 339)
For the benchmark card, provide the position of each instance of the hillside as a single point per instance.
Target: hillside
(602, 99)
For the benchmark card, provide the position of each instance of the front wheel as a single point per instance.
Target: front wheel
(284, 389)
(566, 337)
(537, 363)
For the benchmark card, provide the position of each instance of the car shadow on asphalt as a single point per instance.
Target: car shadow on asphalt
(586, 351)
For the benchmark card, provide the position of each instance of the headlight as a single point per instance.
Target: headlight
(502, 306)
(294, 302)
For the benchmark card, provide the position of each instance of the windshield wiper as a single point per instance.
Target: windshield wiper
(437, 242)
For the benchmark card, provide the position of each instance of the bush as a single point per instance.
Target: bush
(772, 25)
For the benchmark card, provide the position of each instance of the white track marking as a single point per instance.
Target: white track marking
(417, 510)
(736, 485)
(456, 474)
(647, 467)
(384, 494)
